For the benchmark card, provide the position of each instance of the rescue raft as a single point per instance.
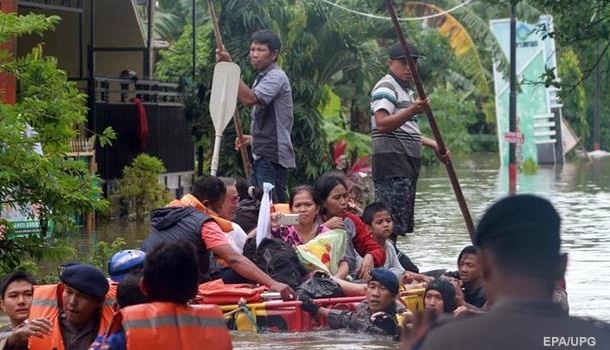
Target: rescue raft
(256, 312)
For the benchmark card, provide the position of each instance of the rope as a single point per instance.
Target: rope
(404, 19)
(242, 307)
(251, 317)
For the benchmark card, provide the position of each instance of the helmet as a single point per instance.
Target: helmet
(123, 262)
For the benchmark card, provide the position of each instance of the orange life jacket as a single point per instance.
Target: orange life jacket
(166, 325)
(189, 199)
(47, 303)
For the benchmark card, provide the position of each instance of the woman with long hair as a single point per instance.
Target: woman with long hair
(362, 252)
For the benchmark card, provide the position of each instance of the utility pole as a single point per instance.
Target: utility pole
(597, 102)
(194, 39)
(150, 54)
(512, 103)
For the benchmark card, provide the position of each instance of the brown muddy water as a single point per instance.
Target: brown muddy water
(580, 190)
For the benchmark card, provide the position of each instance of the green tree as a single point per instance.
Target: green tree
(139, 188)
(320, 69)
(573, 99)
(51, 106)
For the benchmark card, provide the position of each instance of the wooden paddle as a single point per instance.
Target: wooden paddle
(238, 129)
(437, 134)
(223, 101)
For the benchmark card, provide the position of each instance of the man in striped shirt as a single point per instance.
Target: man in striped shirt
(397, 141)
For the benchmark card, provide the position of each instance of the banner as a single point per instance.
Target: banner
(536, 103)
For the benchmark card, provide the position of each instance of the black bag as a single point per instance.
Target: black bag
(277, 259)
(320, 287)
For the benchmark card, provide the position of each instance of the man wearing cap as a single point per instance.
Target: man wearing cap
(439, 297)
(518, 244)
(76, 307)
(397, 141)
(375, 315)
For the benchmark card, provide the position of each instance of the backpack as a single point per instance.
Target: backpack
(277, 259)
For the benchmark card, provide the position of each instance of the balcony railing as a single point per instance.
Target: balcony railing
(63, 5)
(149, 91)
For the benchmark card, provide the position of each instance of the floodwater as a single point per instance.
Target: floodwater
(580, 190)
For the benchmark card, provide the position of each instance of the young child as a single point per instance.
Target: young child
(378, 219)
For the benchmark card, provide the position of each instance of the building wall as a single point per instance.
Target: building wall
(169, 137)
(116, 25)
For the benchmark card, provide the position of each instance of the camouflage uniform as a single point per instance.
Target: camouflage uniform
(398, 194)
(359, 320)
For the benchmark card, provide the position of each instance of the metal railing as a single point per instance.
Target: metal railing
(62, 5)
(148, 91)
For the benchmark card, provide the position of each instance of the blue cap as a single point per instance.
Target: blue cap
(87, 279)
(387, 278)
(123, 262)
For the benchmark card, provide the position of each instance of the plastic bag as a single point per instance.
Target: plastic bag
(263, 227)
(320, 287)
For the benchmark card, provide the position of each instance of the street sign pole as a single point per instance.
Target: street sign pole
(512, 102)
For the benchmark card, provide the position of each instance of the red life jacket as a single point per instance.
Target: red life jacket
(47, 303)
(166, 325)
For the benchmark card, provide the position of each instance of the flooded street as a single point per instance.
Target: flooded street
(580, 190)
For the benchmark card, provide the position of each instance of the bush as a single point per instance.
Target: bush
(139, 189)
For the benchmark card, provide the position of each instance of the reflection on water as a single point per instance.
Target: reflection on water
(579, 190)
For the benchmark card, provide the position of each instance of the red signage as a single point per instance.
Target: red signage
(513, 137)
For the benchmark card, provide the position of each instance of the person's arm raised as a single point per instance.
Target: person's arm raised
(244, 94)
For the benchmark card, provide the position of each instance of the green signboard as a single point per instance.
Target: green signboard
(534, 118)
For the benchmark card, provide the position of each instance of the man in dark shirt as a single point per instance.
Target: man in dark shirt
(272, 114)
(470, 275)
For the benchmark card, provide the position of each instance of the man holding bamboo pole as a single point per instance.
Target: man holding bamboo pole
(397, 141)
(272, 114)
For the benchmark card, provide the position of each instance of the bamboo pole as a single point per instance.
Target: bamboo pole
(435, 130)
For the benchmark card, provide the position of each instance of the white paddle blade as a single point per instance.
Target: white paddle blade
(223, 98)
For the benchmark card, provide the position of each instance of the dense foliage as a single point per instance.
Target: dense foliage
(139, 190)
(35, 134)
(332, 58)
